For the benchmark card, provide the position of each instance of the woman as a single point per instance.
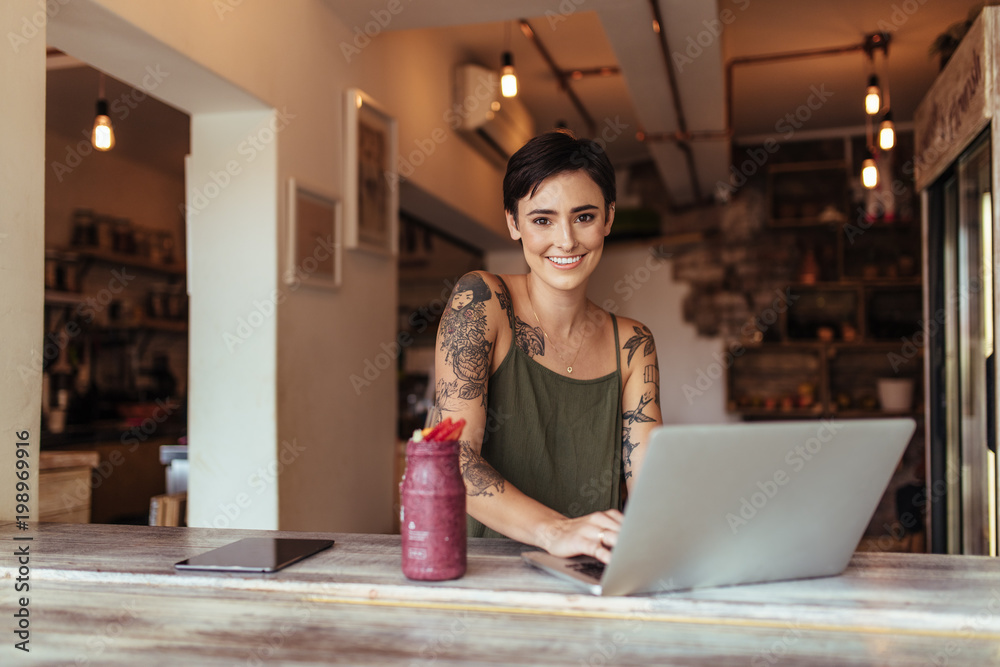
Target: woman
(559, 396)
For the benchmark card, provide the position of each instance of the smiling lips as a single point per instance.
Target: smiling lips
(565, 262)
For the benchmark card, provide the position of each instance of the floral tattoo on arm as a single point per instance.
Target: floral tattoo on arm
(643, 338)
(463, 337)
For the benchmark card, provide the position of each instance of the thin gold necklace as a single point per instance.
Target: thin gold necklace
(569, 368)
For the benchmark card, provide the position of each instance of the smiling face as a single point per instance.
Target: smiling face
(562, 228)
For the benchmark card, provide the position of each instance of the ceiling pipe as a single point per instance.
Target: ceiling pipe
(681, 136)
(682, 130)
(773, 58)
(576, 74)
(562, 76)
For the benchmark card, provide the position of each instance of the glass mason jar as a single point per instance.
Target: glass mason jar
(432, 512)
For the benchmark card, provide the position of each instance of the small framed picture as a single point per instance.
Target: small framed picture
(371, 202)
(314, 238)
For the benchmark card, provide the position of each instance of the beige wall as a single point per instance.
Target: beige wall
(634, 283)
(329, 444)
(108, 183)
(22, 232)
(417, 85)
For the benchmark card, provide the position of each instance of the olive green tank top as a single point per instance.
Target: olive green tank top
(557, 439)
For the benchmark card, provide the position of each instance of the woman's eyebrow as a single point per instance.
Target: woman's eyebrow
(549, 211)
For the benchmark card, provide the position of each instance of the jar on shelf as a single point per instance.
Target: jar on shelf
(123, 239)
(51, 269)
(70, 274)
(157, 302)
(84, 231)
(161, 247)
(105, 232)
(176, 302)
(809, 268)
(140, 236)
(167, 243)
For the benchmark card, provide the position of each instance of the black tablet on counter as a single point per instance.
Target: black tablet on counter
(255, 554)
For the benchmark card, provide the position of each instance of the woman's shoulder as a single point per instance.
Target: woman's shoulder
(634, 337)
(627, 325)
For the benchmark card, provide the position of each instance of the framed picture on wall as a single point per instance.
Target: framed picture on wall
(371, 202)
(314, 238)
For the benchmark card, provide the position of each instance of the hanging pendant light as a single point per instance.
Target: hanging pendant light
(869, 172)
(873, 96)
(508, 80)
(103, 134)
(886, 132)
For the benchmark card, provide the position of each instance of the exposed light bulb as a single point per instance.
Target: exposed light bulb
(869, 173)
(873, 96)
(886, 133)
(508, 80)
(103, 135)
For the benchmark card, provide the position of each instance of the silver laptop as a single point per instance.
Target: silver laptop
(745, 503)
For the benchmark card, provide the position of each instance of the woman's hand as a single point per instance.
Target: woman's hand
(592, 535)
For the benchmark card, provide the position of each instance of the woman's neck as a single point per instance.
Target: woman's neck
(561, 313)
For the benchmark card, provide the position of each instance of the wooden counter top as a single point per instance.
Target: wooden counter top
(110, 595)
(51, 460)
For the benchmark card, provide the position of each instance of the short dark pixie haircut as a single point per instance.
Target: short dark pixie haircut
(553, 153)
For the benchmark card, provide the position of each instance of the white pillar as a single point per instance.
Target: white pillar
(232, 231)
(22, 243)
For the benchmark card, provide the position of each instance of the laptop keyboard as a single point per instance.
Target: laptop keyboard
(589, 568)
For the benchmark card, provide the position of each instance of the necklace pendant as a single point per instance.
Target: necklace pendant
(569, 369)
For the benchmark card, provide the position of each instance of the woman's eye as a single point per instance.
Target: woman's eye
(540, 221)
(586, 217)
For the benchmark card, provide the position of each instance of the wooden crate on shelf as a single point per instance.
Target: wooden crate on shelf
(855, 371)
(832, 307)
(807, 193)
(777, 380)
(64, 482)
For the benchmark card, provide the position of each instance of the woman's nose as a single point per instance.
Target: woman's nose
(567, 237)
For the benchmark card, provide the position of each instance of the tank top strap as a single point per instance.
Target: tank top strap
(618, 352)
(510, 313)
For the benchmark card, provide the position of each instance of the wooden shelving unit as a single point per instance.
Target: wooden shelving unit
(848, 325)
(107, 329)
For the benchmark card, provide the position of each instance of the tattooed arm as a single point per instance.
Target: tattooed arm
(640, 396)
(475, 320)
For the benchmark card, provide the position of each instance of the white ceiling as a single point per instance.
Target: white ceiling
(582, 34)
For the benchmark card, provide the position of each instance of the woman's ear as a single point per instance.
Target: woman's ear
(515, 233)
(610, 220)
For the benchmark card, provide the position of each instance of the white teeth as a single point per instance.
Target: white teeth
(564, 260)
